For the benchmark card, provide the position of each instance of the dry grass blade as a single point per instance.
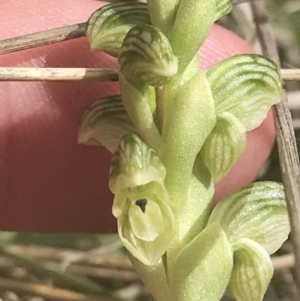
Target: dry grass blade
(113, 261)
(78, 74)
(47, 292)
(57, 74)
(42, 38)
(283, 261)
(287, 147)
(290, 74)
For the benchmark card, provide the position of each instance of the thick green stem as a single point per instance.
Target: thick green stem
(171, 89)
(162, 14)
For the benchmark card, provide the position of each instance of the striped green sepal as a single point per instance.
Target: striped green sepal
(105, 122)
(252, 271)
(134, 164)
(257, 212)
(224, 146)
(108, 26)
(223, 8)
(247, 86)
(146, 56)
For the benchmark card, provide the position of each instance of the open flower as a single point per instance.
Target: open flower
(141, 203)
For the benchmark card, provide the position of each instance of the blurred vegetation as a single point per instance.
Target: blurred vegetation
(100, 258)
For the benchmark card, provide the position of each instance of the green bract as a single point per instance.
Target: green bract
(207, 258)
(175, 131)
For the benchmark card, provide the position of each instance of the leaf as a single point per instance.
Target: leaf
(223, 7)
(192, 25)
(134, 164)
(203, 268)
(108, 26)
(252, 271)
(224, 145)
(247, 86)
(257, 212)
(105, 122)
(146, 55)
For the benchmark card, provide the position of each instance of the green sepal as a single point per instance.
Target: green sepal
(223, 8)
(252, 271)
(108, 26)
(247, 86)
(146, 56)
(105, 122)
(147, 239)
(203, 268)
(134, 164)
(192, 25)
(224, 146)
(257, 212)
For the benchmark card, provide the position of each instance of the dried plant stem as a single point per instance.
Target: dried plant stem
(78, 74)
(46, 292)
(290, 74)
(79, 284)
(42, 253)
(42, 38)
(287, 147)
(283, 261)
(53, 35)
(57, 74)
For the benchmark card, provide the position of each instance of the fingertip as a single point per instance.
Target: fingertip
(221, 44)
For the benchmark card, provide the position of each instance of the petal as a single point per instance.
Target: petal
(224, 145)
(149, 242)
(252, 271)
(146, 219)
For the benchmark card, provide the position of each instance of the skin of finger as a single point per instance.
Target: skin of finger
(49, 183)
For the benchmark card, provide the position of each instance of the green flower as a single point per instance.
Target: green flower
(141, 203)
